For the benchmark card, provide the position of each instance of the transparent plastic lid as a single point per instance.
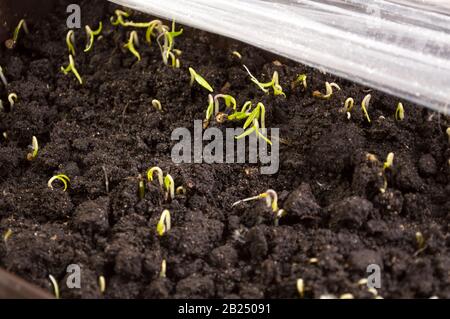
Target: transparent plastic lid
(398, 46)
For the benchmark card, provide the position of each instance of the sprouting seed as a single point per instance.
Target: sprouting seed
(133, 40)
(237, 54)
(7, 234)
(277, 89)
(209, 111)
(163, 225)
(63, 178)
(180, 190)
(301, 78)
(35, 147)
(71, 68)
(159, 173)
(102, 284)
(91, 35)
(141, 187)
(55, 286)
(70, 40)
(389, 161)
(362, 282)
(328, 91)
(11, 43)
(162, 273)
(199, 79)
(120, 14)
(157, 104)
(348, 106)
(313, 260)
(399, 112)
(12, 98)
(167, 46)
(2, 108)
(301, 287)
(365, 106)
(271, 198)
(169, 185)
(420, 240)
(2, 77)
(448, 134)
(346, 296)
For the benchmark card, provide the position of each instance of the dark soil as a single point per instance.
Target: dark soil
(327, 185)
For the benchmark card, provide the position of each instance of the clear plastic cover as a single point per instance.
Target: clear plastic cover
(398, 46)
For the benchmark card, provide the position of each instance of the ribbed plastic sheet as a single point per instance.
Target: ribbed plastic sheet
(398, 46)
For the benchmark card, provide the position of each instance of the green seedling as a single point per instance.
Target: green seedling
(35, 147)
(328, 91)
(169, 185)
(157, 105)
(91, 35)
(162, 273)
(102, 284)
(71, 68)
(11, 43)
(55, 286)
(120, 15)
(252, 123)
(181, 190)
(63, 178)
(209, 111)
(12, 99)
(271, 198)
(399, 112)
(237, 54)
(141, 187)
(163, 225)
(242, 114)
(7, 234)
(448, 134)
(277, 89)
(2, 77)
(159, 173)
(229, 102)
(213, 108)
(387, 165)
(301, 78)
(155, 25)
(70, 40)
(167, 47)
(200, 80)
(132, 41)
(365, 106)
(301, 287)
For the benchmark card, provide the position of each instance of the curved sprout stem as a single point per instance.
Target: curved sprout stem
(159, 173)
(400, 112)
(365, 106)
(102, 284)
(55, 286)
(71, 68)
(91, 35)
(70, 40)
(133, 40)
(169, 185)
(63, 178)
(163, 225)
(35, 147)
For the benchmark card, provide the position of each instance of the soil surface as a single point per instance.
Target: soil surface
(337, 223)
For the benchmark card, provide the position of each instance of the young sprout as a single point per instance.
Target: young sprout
(399, 112)
(167, 46)
(301, 287)
(199, 79)
(348, 106)
(11, 43)
(209, 111)
(70, 40)
(91, 35)
(163, 225)
(181, 190)
(159, 173)
(365, 106)
(12, 99)
(55, 286)
(347, 296)
(132, 41)
(271, 198)
(252, 119)
(277, 89)
(35, 147)
(102, 284)
(157, 105)
(162, 273)
(63, 178)
(120, 14)
(141, 187)
(237, 54)
(301, 78)
(420, 241)
(71, 68)
(7, 234)
(242, 114)
(213, 107)
(155, 24)
(448, 134)
(169, 185)
(387, 165)
(2, 77)
(329, 91)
